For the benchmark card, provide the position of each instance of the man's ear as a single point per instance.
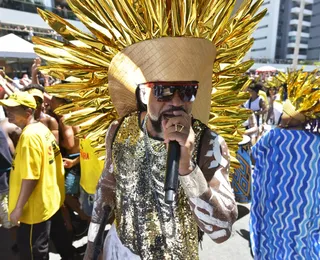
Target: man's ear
(143, 95)
(30, 111)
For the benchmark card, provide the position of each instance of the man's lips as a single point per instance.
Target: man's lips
(167, 116)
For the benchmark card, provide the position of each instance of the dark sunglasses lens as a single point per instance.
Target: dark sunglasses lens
(166, 93)
(163, 93)
(188, 93)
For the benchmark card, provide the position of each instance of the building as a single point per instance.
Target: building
(276, 35)
(21, 18)
(265, 36)
(313, 52)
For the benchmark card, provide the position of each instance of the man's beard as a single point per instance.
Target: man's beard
(157, 123)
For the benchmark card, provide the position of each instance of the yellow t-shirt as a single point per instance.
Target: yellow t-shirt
(37, 157)
(91, 167)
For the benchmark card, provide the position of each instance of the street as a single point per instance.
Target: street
(236, 248)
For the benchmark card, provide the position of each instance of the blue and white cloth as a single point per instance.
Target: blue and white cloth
(285, 213)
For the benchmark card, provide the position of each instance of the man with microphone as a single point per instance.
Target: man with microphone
(166, 173)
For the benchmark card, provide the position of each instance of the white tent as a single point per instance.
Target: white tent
(266, 69)
(12, 46)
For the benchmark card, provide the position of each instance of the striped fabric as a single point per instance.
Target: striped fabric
(285, 213)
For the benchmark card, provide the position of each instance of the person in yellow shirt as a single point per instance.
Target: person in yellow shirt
(36, 186)
(91, 169)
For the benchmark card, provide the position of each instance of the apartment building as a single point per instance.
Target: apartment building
(276, 35)
(313, 52)
(21, 18)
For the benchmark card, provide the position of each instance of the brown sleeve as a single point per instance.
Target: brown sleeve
(209, 191)
(104, 201)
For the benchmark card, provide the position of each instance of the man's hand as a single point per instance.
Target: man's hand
(35, 66)
(68, 163)
(178, 128)
(35, 69)
(15, 216)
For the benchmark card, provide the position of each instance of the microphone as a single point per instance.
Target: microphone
(172, 172)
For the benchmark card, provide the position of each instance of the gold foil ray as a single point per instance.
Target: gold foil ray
(84, 58)
(303, 90)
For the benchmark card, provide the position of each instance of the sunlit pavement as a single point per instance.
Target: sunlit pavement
(236, 248)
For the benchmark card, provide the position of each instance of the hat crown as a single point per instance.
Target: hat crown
(23, 99)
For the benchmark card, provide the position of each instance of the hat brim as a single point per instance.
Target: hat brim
(289, 111)
(9, 103)
(36, 93)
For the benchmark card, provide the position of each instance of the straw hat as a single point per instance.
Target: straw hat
(289, 111)
(163, 59)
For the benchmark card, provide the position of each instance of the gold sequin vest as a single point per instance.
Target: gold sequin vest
(137, 213)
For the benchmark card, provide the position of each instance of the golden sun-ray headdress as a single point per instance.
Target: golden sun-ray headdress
(303, 94)
(116, 27)
(272, 82)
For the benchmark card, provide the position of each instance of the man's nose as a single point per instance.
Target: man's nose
(176, 100)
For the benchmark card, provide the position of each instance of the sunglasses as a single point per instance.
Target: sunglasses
(164, 91)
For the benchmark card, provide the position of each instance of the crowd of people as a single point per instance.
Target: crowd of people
(164, 181)
(63, 197)
(39, 139)
(58, 198)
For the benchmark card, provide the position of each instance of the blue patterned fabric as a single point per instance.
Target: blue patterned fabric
(285, 212)
(241, 181)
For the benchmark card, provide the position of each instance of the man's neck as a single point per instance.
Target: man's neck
(29, 121)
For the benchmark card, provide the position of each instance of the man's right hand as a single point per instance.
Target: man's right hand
(15, 216)
(35, 67)
(68, 163)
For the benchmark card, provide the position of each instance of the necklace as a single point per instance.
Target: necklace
(153, 188)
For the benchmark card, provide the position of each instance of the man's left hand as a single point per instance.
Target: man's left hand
(178, 128)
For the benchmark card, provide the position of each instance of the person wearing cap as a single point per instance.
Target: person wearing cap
(37, 91)
(285, 216)
(63, 242)
(36, 185)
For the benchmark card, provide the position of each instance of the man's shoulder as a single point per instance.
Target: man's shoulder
(35, 130)
(198, 126)
(207, 136)
(130, 121)
(126, 126)
(48, 120)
